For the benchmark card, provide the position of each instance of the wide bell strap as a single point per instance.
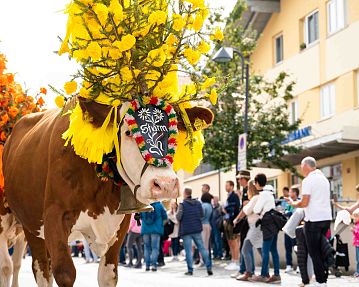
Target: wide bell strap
(129, 204)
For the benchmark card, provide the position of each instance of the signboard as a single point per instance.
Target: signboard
(242, 152)
(298, 134)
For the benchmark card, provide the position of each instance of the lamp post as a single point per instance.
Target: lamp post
(225, 55)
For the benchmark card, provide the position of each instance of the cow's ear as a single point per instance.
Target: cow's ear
(97, 112)
(199, 117)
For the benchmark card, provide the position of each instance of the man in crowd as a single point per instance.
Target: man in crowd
(289, 242)
(206, 189)
(318, 215)
(216, 224)
(231, 210)
(282, 202)
(264, 204)
(189, 215)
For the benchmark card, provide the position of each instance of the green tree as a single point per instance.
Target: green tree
(268, 117)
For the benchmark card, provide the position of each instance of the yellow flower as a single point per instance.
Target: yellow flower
(127, 75)
(60, 101)
(94, 51)
(157, 17)
(208, 83)
(142, 32)
(115, 53)
(84, 92)
(192, 56)
(70, 87)
(126, 43)
(101, 11)
(169, 85)
(198, 23)
(203, 47)
(217, 35)
(151, 77)
(178, 22)
(213, 97)
(197, 3)
(171, 40)
(156, 57)
(116, 10)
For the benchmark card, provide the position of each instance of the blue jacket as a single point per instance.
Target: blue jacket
(152, 222)
(189, 215)
(232, 206)
(207, 212)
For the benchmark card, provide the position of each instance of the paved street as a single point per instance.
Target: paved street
(169, 276)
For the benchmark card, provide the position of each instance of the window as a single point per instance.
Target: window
(336, 15)
(311, 28)
(327, 100)
(293, 112)
(278, 46)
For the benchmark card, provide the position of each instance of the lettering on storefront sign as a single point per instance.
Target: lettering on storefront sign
(298, 134)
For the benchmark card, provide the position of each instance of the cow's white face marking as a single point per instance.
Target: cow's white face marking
(40, 279)
(106, 274)
(156, 183)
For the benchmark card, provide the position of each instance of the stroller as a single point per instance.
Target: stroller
(341, 251)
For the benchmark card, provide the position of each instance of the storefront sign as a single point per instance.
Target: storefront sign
(298, 134)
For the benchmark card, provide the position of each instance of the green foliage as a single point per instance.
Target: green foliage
(268, 108)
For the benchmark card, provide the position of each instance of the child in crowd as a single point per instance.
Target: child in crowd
(356, 239)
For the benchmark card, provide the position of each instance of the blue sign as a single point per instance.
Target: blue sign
(298, 134)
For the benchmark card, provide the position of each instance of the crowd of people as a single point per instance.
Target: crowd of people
(248, 222)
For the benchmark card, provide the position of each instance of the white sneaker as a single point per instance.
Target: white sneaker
(232, 266)
(235, 275)
(316, 284)
(288, 269)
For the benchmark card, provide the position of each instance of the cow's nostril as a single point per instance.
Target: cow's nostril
(156, 184)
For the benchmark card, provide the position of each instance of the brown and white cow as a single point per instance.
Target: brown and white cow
(57, 196)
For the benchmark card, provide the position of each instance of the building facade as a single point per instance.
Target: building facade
(316, 43)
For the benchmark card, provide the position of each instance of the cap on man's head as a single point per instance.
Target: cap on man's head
(244, 174)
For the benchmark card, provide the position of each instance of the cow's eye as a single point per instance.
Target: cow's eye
(128, 133)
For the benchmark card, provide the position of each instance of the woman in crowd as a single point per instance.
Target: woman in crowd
(206, 200)
(134, 236)
(254, 236)
(175, 240)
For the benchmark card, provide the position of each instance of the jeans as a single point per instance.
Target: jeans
(175, 245)
(187, 242)
(88, 252)
(313, 235)
(248, 257)
(134, 238)
(289, 243)
(152, 247)
(357, 257)
(270, 245)
(217, 242)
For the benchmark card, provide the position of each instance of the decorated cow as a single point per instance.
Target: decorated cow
(117, 140)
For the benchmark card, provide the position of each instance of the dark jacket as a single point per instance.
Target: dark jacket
(217, 217)
(302, 254)
(152, 222)
(271, 223)
(233, 205)
(189, 215)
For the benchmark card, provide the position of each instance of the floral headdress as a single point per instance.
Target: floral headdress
(132, 49)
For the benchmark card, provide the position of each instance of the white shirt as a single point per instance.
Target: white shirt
(317, 186)
(264, 203)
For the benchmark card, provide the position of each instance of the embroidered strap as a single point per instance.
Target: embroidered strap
(108, 169)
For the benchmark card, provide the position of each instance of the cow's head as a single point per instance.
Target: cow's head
(148, 182)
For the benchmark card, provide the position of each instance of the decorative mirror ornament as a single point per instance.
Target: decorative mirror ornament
(154, 128)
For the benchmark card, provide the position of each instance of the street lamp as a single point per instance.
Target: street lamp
(226, 55)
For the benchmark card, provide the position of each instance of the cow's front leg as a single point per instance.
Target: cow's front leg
(58, 224)
(107, 272)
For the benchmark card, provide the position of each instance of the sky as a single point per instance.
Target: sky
(28, 38)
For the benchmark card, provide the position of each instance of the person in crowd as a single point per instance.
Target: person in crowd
(175, 240)
(206, 189)
(189, 216)
(348, 208)
(231, 210)
(264, 204)
(134, 237)
(206, 200)
(289, 242)
(318, 214)
(216, 227)
(90, 256)
(152, 230)
(254, 237)
(282, 202)
(243, 178)
(122, 256)
(356, 240)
